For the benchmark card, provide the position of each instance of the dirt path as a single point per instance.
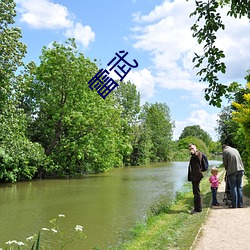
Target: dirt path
(225, 228)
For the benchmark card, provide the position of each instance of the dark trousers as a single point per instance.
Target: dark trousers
(197, 196)
(214, 196)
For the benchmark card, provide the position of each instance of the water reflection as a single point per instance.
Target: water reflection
(105, 204)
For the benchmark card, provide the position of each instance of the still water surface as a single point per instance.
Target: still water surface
(104, 204)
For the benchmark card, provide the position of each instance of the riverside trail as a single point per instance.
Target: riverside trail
(225, 228)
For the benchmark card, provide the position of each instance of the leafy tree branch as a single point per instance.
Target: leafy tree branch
(205, 28)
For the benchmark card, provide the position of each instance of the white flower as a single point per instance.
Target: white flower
(29, 238)
(10, 242)
(20, 243)
(54, 230)
(45, 229)
(78, 228)
(61, 215)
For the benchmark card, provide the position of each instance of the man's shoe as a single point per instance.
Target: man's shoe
(194, 212)
(231, 207)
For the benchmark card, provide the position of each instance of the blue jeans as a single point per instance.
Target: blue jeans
(214, 196)
(235, 182)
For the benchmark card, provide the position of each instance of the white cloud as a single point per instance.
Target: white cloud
(234, 41)
(83, 34)
(144, 82)
(200, 117)
(159, 12)
(44, 14)
(165, 33)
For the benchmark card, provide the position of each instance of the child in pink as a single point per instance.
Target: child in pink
(214, 186)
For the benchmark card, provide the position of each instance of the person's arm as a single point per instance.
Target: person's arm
(213, 179)
(224, 159)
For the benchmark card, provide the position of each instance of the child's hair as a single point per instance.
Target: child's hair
(214, 170)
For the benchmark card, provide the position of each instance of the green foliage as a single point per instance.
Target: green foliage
(157, 123)
(205, 28)
(215, 147)
(242, 117)
(127, 99)
(233, 123)
(142, 145)
(201, 146)
(36, 243)
(78, 129)
(20, 158)
(12, 50)
(227, 127)
(196, 131)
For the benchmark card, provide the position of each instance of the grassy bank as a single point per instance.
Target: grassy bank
(170, 227)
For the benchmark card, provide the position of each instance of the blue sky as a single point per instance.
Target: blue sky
(156, 33)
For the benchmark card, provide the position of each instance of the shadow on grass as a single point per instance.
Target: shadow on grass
(183, 204)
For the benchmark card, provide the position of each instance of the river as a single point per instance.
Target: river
(104, 204)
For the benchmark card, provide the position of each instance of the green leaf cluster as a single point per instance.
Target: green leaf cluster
(233, 123)
(210, 63)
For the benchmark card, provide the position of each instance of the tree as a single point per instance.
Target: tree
(127, 99)
(227, 127)
(183, 144)
(233, 123)
(229, 130)
(242, 117)
(156, 120)
(208, 23)
(12, 50)
(196, 131)
(78, 129)
(20, 158)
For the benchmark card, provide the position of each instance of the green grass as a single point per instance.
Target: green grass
(170, 226)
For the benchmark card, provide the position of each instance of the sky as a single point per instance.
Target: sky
(155, 33)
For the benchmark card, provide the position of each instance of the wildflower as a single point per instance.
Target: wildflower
(78, 228)
(20, 243)
(54, 230)
(53, 221)
(61, 215)
(45, 229)
(10, 242)
(29, 238)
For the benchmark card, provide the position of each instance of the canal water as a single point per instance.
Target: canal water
(106, 204)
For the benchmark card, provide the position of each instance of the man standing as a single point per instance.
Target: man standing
(195, 175)
(235, 170)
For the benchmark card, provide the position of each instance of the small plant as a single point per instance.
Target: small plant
(48, 238)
